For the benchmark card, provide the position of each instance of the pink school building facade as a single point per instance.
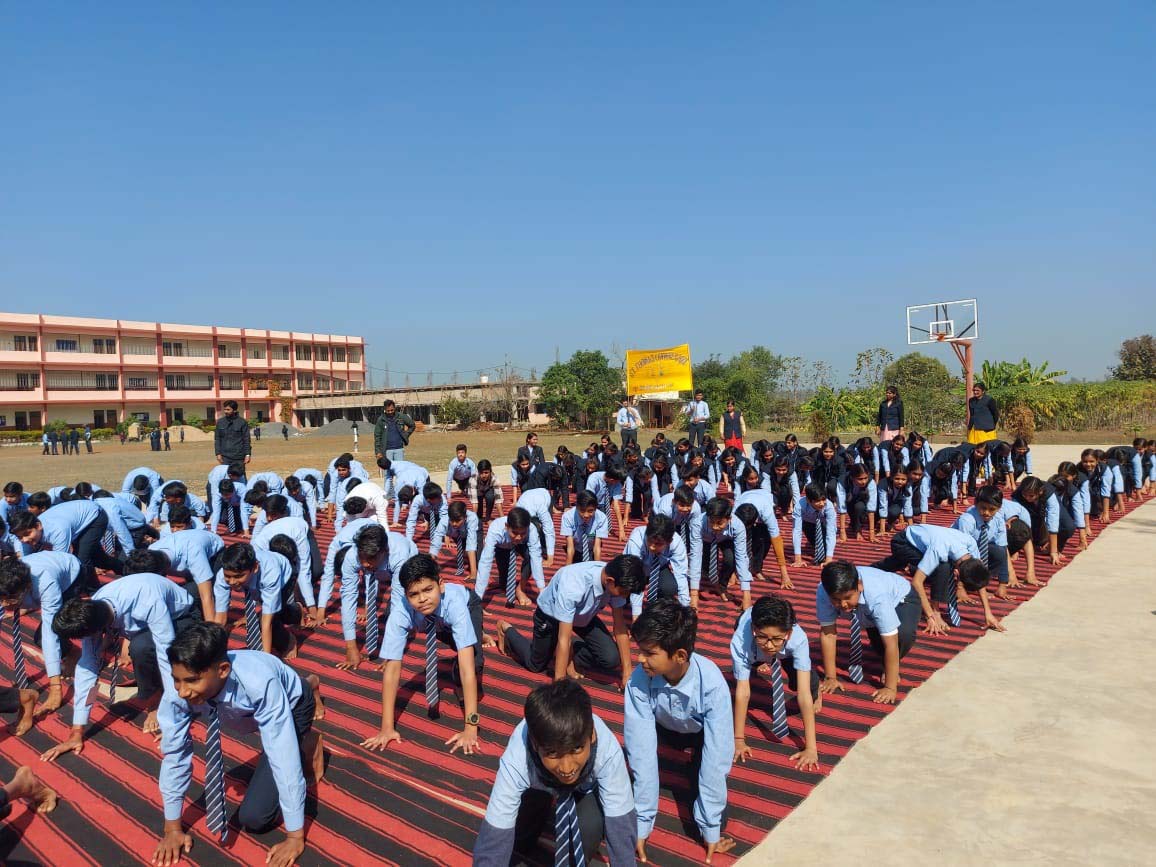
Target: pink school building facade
(104, 371)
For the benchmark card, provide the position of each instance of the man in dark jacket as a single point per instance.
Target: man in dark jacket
(983, 415)
(392, 432)
(231, 440)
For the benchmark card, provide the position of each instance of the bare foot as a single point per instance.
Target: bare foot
(574, 673)
(319, 706)
(291, 649)
(523, 601)
(25, 785)
(313, 758)
(818, 704)
(488, 640)
(501, 640)
(28, 699)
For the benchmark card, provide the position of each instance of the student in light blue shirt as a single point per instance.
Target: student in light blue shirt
(42, 582)
(396, 476)
(614, 489)
(567, 629)
(679, 699)
(126, 522)
(697, 412)
(882, 603)
(770, 630)
(461, 471)
(147, 609)
(341, 469)
(429, 506)
(560, 750)
(235, 472)
(175, 493)
(381, 554)
(266, 577)
(511, 533)
(463, 528)
(859, 501)
(14, 500)
(315, 477)
(584, 527)
(815, 517)
(722, 533)
(272, 482)
(538, 502)
(249, 692)
(77, 527)
(683, 509)
(304, 495)
(309, 565)
(664, 563)
(141, 482)
(259, 501)
(229, 501)
(756, 509)
(453, 614)
(342, 540)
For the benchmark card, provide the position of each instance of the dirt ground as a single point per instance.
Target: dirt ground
(191, 461)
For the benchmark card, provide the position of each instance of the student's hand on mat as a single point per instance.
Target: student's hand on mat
(360, 617)
(74, 744)
(151, 726)
(842, 535)
(381, 740)
(1057, 558)
(935, 625)
(694, 599)
(797, 563)
(467, 740)
(883, 695)
(830, 684)
(806, 760)
(352, 661)
(995, 623)
(742, 751)
(172, 844)
(724, 844)
(787, 583)
(285, 853)
(967, 599)
(640, 851)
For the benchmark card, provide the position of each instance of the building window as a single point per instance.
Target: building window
(228, 350)
(304, 352)
(255, 350)
(25, 343)
(107, 382)
(281, 352)
(21, 420)
(67, 345)
(138, 383)
(354, 356)
(27, 381)
(339, 354)
(177, 416)
(98, 418)
(321, 353)
(142, 417)
(104, 346)
(175, 350)
(211, 417)
(305, 380)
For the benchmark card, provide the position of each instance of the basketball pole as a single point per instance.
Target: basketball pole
(962, 349)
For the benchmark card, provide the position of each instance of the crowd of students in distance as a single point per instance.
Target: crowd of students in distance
(706, 521)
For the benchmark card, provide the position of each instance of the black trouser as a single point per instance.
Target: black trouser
(940, 491)
(727, 568)
(593, 645)
(641, 504)
(463, 485)
(260, 810)
(502, 561)
(904, 555)
(759, 538)
(143, 652)
(793, 679)
(856, 515)
(1067, 527)
(9, 701)
(909, 611)
(45, 451)
(537, 813)
(696, 432)
(86, 544)
(688, 741)
(998, 560)
(560, 496)
(629, 437)
(446, 637)
(486, 499)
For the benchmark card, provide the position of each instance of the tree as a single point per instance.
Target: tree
(932, 396)
(869, 367)
(584, 389)
(1004, 374)
(456, 411)
(1137, 358)
(749, 379)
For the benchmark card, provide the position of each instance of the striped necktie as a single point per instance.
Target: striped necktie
(112, 640)
(108, 541)
(779, 726)
(567, 836)
(460, 555)
(432, 694)
(252, 623)
(371, 624)
(820, 540)
(685, 529)
(604, 499)
(215, 776)
(712, 564)
(855, 652)
(652, 584)
(230, 516)
(587, 554)
(512, 577)
(984, 550)
(19, 666)
(953, 603)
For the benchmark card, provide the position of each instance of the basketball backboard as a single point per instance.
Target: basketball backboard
(945, 320)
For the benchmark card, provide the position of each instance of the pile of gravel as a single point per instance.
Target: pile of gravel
(342, 427)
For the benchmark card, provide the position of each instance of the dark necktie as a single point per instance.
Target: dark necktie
(432, 694)
(712, 564)
(585, 529)
(820, 539)
(371, 624)
(252, 622)
(230, 516)
(108, 542)
(652, 584)
(113, 640)
(18, 663)
(855, 651)
(983, 544)
(567, 836)
(460, 556)
(512, 577)
(953, 603)
(779, 726)
(215, 776)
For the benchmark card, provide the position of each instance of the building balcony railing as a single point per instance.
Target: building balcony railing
(138, 349)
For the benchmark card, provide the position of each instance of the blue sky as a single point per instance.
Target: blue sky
(481, 180)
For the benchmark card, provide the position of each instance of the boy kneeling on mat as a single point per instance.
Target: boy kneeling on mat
(560, 755)
(245, 690)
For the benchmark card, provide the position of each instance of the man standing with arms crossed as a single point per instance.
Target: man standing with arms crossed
(699, 414)
(231, 440)
(628, 422)
(392, 432)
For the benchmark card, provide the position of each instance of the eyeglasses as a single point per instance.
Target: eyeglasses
(767, 641)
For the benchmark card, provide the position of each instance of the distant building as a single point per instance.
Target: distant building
(103, 371)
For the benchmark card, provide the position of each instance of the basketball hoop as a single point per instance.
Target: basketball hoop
(941, 337)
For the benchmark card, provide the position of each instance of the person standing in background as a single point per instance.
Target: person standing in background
(182, 433)
(732, 427)
(983, 415)
(356, 437)
(285, 432)
(88, 437)
(628, 421)
(889, 423)
(698, 412)
(231, 439)
(391, 433)
(168, 442)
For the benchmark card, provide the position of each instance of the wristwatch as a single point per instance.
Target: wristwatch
(472, 719)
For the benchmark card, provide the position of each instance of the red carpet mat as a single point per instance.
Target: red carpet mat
(417, 804)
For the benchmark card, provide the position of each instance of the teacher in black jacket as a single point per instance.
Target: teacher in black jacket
(889, 424)
(231, 440)
(983, 415)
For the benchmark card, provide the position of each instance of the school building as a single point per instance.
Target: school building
(103, 371)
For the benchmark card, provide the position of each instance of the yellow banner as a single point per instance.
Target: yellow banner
(650, 371)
